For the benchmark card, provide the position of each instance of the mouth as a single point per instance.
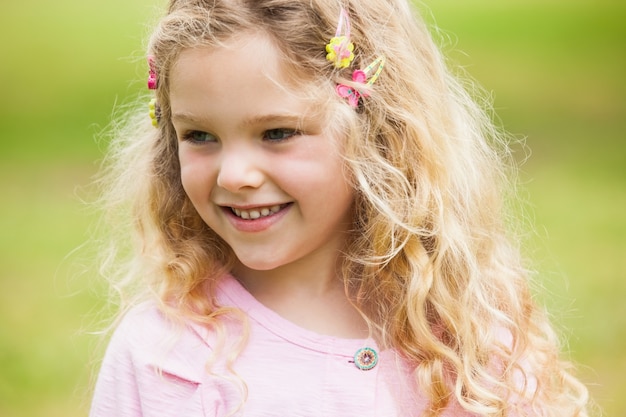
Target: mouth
(257, 212)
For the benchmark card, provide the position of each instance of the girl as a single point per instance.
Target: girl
(317, 228)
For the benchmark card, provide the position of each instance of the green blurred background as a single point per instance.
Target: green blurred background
(556, 69)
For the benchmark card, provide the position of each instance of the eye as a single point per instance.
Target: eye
(279, 134)
(198, 137)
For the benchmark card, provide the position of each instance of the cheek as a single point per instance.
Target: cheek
(329, 188)
(341, 193)
(195, 176)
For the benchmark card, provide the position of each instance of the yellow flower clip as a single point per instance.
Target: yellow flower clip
(340, 49)
(154, 112)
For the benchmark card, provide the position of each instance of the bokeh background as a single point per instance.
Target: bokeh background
(556, 69)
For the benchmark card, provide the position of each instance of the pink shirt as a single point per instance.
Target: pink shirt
(153, 369)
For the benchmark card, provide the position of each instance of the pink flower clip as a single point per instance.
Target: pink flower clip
(354, 94)
(340, 49)
(152, 74)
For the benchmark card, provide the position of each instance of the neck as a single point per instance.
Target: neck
(290, 280)
(310, 296)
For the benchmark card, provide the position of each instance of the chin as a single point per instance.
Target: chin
(260, 264)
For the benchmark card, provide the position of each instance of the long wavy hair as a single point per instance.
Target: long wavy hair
(432, 263)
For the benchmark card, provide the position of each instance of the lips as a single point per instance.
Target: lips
(257, 212)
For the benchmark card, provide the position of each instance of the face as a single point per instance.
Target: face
(257, 166)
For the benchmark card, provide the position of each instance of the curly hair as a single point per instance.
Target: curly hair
(433, 262)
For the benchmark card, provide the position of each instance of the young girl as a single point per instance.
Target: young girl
(318, 228)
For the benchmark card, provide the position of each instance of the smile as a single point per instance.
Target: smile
(258, 212)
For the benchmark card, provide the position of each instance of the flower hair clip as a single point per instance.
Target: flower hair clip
(340, 49)
(154, 111)
(354, 94)
(152, 74)
(153, 107)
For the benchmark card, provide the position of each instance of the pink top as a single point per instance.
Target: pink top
(153, 369)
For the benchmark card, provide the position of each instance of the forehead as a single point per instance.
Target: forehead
(246, 56)
(245, 73)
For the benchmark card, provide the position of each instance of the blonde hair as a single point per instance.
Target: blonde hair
(431, 263)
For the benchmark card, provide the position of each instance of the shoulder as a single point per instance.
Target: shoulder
(153, 366)
(145, 319)
(146, 339)
(144, 326)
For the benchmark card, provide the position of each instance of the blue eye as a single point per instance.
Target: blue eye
(279, 134)
(196, 136)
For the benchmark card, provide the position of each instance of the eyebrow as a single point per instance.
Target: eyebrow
(289, 118)
(185, 117)
(273, 118)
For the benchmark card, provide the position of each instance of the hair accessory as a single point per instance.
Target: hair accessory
(155, 112)
(365, 359)
(152, 74)
(339, 49)
(153, 106)
(353, 94)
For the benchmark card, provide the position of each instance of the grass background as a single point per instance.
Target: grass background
(556, 69)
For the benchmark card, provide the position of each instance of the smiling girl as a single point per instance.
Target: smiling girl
(318, 229)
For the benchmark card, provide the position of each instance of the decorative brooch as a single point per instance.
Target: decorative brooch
(365, 358)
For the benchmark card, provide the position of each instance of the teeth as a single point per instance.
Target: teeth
(257, 212)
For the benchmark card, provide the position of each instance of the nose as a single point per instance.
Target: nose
(240, 168)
